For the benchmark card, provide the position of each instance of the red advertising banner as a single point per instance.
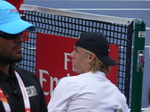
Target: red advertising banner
(53, 61)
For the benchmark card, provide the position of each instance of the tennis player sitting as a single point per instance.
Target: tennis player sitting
(90, 91)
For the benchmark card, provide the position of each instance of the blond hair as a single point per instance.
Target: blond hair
(97, 65)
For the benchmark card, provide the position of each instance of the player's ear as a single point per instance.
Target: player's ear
(91, 57)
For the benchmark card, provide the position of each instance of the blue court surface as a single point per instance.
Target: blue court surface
(129, 9)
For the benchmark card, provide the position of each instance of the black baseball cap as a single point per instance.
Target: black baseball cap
(97, 43)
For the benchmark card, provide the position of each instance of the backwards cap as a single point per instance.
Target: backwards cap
(97, 43)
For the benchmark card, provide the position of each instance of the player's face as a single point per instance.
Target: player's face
(10, 49)
(79, 60)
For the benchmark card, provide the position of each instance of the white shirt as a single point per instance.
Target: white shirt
(87, 92)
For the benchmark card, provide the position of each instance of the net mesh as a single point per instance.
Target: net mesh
(119, 34)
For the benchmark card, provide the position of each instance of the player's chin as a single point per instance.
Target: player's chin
(75, 70)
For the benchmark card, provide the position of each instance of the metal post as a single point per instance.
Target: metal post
(138, 66)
